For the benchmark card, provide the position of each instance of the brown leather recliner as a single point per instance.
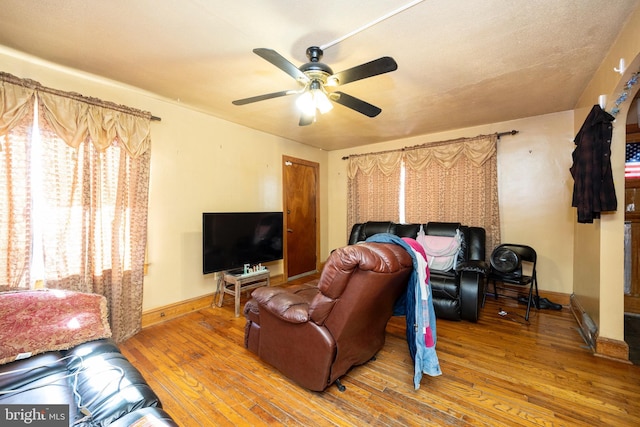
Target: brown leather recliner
(315, 334)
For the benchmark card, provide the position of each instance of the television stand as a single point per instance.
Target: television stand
(235, 284)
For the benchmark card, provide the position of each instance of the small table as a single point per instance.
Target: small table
(235, 284)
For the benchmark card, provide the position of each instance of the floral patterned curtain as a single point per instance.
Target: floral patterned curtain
(450, 181)
(16, 103)
(373, 188)
(94, 158)
(455, 181)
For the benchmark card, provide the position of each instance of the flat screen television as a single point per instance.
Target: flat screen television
(232, 239)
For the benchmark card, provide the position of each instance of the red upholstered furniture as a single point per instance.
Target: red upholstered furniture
(315, 334)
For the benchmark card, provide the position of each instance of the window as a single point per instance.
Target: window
(449, 181)
(37, 205)
(74, 184)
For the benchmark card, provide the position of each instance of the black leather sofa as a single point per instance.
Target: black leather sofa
(97, 383)
(457, 293)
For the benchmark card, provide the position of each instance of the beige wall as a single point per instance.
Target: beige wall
(198, 163)
(599, 247)
(534, 189)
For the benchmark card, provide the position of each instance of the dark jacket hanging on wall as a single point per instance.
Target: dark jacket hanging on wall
(593, 189)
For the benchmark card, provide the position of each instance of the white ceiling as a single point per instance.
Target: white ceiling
(460, 62)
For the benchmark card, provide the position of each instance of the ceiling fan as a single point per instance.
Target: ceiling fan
(318, 80)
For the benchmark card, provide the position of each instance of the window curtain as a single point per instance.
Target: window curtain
(16, 118)
(373, 188)
(455, 181)
(95, 177)
(450, 181)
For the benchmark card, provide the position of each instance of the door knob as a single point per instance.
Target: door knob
(289, 230)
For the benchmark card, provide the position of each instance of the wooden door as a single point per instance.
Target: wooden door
(300, 188)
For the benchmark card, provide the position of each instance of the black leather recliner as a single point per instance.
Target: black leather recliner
(457, 293)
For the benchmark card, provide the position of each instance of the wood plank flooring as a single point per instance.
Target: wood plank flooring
(497, 372)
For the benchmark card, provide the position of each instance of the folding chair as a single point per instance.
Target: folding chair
(506, 267)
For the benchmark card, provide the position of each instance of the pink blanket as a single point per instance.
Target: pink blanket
(441, 251)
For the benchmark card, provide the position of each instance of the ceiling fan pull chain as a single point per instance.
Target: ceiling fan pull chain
(371, 24)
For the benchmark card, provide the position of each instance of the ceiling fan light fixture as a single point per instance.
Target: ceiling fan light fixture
(306, 103)
(322, 101)
(333, 81)
(315, 98)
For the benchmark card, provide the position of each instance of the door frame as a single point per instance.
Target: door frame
(285, 192)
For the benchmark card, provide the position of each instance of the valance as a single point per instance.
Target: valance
(75, 118)
(478, 150)
(15, 102)
(386, 162)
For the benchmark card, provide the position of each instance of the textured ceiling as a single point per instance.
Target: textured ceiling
(460, 62)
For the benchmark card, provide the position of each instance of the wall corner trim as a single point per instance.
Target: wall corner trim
(612, 349)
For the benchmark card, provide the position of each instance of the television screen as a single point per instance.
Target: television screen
(232, 239)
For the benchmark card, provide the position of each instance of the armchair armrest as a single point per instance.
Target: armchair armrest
(281, 303)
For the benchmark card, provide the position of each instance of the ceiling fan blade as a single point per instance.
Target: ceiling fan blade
(263, 97)
(306, 120)
(281, 62)
(373, 68)
(355, 104)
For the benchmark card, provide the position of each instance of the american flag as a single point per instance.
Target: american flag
(632, 161)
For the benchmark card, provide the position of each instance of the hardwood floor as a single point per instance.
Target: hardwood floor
(497, 372)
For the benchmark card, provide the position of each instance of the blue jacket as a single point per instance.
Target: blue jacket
(425, 359)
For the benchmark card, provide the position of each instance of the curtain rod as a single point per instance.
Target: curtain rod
(32, 84)
(498, 134)
(511, 132)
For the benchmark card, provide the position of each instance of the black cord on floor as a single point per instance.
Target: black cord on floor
(515, 317)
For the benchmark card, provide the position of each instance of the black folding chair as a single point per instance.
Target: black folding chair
(506, 267)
